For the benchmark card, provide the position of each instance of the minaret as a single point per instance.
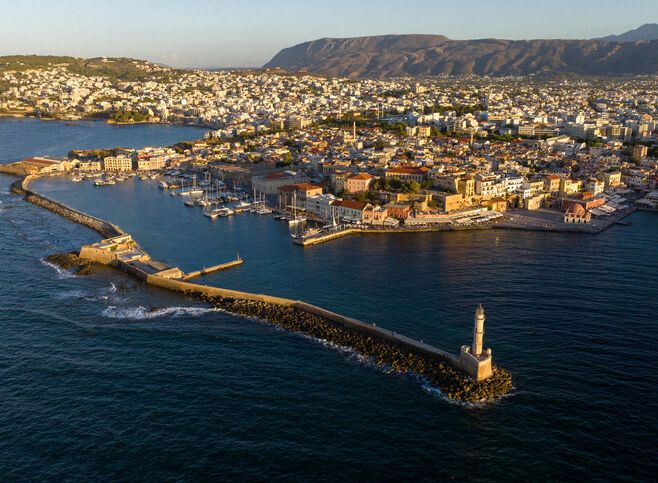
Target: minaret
(478, 331)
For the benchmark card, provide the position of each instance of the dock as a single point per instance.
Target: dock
(214, 268)
(322, 238)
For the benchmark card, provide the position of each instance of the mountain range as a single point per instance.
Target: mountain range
(635, 52)
(648, 31)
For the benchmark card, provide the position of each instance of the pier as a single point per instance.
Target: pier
(214, 268)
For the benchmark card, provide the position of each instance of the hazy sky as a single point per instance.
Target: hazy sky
(223, 33)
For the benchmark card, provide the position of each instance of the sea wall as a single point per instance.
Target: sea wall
(340, 320)
(106, 229)
(385, 348)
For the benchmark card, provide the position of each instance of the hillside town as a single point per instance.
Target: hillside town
(536, 152)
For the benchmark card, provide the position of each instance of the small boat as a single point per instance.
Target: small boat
(307, 234)
(212, 214)
(76, 179)
(189, 203)
(243, 205)
(263, 211)
(296, 219)
(163, 185)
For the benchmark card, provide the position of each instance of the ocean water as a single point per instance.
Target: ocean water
(105, 378)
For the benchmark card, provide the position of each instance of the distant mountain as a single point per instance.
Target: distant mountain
(402, 55)
(648, 31)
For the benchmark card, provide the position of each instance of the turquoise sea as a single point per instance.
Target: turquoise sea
(104, 378)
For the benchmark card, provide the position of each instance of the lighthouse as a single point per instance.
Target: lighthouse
(473, 359)
(478, 331)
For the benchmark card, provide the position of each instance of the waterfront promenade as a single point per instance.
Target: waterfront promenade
(539, 220)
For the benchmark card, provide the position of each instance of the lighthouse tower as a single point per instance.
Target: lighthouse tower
(475, 360)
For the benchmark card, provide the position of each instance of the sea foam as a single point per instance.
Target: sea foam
(143, 313)
(60, 271)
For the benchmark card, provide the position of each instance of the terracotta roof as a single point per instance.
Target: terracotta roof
(401, 170)
(353, 205)
(362, 176)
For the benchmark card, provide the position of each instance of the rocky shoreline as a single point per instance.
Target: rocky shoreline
(451, 381)
(72, 262)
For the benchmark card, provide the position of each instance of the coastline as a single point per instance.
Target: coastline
(31, 115)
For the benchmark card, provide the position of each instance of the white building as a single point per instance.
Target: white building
(321, 205)
(118, 163)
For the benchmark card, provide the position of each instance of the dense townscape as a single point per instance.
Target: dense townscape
(557, 150)
(287, 240)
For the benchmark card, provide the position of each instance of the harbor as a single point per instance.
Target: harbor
(455, 375)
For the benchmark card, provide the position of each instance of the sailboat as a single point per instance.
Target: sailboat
(211, 212)
(195, 191)
(295, 217)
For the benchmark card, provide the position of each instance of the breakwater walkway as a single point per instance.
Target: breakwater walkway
(387, 348)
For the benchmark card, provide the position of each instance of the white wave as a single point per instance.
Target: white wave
(435, 391)
(60, 271)
(71, 294)
(142, 313)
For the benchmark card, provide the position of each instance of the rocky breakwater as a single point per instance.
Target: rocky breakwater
(106, 229)
(397, 358)
(72, 262)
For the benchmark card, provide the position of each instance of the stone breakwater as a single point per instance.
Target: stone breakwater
(107, 230)
(401, 359)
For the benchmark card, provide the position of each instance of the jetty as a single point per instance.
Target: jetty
(214, 268)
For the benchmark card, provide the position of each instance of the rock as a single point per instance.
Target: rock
(72, 262)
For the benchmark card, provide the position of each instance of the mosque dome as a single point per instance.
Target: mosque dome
(576, 210)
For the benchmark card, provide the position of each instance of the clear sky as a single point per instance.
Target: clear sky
(231, 33)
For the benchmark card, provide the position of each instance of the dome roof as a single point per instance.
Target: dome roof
(576, 210)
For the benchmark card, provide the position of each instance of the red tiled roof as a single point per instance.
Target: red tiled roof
(363, 176)
(353, 205)
(408, 170)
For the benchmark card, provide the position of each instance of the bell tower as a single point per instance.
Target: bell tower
(475, 360)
